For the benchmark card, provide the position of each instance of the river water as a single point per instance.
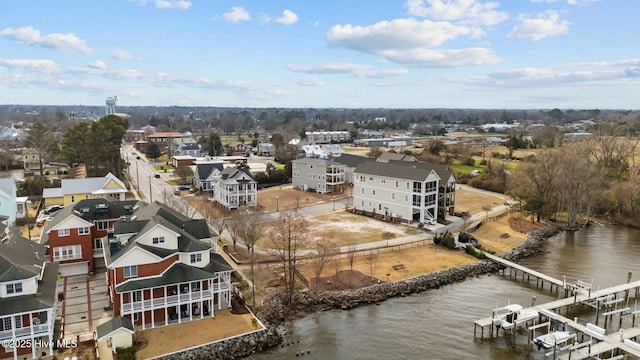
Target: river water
(439, 324)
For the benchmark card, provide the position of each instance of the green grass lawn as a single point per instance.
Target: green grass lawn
(279, 166)
(456, 166)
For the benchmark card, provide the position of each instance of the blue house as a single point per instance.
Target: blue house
(8, 202)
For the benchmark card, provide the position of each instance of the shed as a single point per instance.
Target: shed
(119, 330)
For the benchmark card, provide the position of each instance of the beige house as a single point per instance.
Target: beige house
(397, 189)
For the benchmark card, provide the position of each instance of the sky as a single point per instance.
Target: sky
(509, 54)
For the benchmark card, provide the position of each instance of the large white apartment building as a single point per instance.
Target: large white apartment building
(405, 190)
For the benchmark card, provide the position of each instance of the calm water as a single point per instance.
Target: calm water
(438, 324)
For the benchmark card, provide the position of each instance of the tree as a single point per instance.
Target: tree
(235, 226)
(214, 144)
(351, 256)
(374, 152)
(254, 228)
(41, 140)
(152, 151)
(289, 233)
(184, 172)
(77, 143)
(325, 251)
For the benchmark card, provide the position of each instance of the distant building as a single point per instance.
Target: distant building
(234, 187)
(319, 137)
(322, 176)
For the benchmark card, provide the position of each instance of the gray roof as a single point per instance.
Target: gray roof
(17, 262)
(204, 170)
(87, 185)
(389, 156)
(190, 146)
(114, 324)
(350, 160)
(397, 170)
(191, 231)
(179, 273)
(8, 186)
(443, 171)
(315, 161)
(232, 175)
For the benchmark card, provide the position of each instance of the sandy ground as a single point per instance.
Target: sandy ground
(287, 198)
(167, 339)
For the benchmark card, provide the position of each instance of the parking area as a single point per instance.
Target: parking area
(83, 299)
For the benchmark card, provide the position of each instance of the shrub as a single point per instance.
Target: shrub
(126, 353)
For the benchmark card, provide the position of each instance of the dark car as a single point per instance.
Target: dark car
(157, 176)
(184, 187)
(138, 157)
(52, 209)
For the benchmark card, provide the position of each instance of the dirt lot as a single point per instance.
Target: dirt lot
(287, 198)
(474, 201)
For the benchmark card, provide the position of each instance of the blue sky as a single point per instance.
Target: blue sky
(511, 54)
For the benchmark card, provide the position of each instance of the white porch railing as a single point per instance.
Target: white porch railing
(172, 300)
(38, 330)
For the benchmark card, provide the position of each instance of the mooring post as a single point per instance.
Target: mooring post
(533, 300)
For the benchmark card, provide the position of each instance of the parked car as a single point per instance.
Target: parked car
(157, 176)
(138, 157)
(184, 187)
(176, 192)
(53, 208)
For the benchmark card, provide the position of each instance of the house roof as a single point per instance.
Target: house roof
(19, 253)
(179, 273)
(48, 193)
(443, 171)
(111, 326)
(169, 134)
(389, 156)
(90, 185)
(190, 146)
(191, 231)
(236, 143)
(397, 170)
(204, 170)
(231, 175)
(314, 161)
(350, 160)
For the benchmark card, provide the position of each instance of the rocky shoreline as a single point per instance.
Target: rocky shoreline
(275, 313)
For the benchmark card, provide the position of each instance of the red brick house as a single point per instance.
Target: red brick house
(27, 299)
(162, 268)
(75, 232)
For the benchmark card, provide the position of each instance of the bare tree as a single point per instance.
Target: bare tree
(486, 208)
(325, 250)
(372, 260)
(289, 233)
(235, 225)
(180, 205)
(218, 224)
(351, 256)
(254, 228)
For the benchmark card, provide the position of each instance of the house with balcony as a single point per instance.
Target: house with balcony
(237, 149)
(162, 268)
(322, 176)
(74, 235)
(71, 191)
(350, 162)
(27, 299)
(234, 187)
(399, 190)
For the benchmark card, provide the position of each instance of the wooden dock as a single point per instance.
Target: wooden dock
(581, 293)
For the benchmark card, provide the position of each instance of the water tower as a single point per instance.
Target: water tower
(111, 104)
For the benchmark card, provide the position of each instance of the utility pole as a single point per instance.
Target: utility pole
(150, 191)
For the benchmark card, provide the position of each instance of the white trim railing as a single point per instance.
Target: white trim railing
(38, 330)
(172, 300)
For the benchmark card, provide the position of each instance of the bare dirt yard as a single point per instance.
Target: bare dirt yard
(474, 201)
(287, 198)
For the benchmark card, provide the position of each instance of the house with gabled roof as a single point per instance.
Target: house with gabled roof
(73, 190)
(237, 149)
(205, 174)
(27, 299)
(350, 162)
(398, 190)
(162, 268)
(234, 187)
(322, 176)
(74, 233)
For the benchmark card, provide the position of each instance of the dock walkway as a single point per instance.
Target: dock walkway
(523, 269)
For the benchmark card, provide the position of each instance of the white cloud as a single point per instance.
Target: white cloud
(357, 70)
(442, 58)
(395, 34)
(464, 11)
(237, 14)
(165, 4)
(543, 25)
(120, 54)
(288, 17)
(32, 36)
(308, 81)
(37, 65)
(382, 74)
(98, 65)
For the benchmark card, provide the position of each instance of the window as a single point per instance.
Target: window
(15, 288)
(102, 225)
(97, 244)
(408, 185)
(370, 178)
(73, 198)
(362, 191)
(136, 295)
(5, 324)
(158, 240)
(196, 258)
(393, 196)
(63, 232)
(67, 252)
(397, 183)
(383, 181)
(195, 286)
(83, 230)
(130, 271)
(363, 179)
(406, 198)
(374, 192)
(362, 203)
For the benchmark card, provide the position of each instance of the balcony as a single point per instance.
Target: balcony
(25, 332)
(97, 253)
(172, 300)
